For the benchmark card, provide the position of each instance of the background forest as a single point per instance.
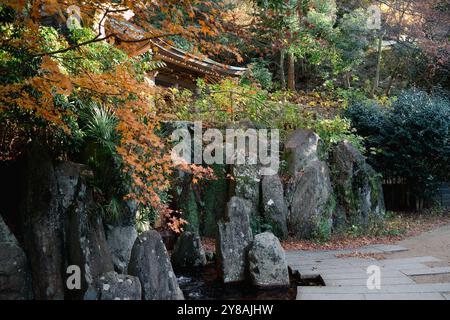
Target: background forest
(375, 73)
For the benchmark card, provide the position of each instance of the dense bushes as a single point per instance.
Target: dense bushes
(410, 138)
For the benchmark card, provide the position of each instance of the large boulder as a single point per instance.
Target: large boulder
(310, 199)
(214, 196)
(187, 201)
(302, 147)
(188, 251)
(120, 241)
(114, 286)
(233, 237)
(41, 223)
(357, 186)
(246, 184)
(85, 239)
(15, 277)
(247, 175)
(150, 263)
(267, 262)
(274, 204)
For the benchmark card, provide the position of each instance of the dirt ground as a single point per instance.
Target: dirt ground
(434, 243)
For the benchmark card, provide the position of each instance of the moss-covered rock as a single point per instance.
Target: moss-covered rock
(214, 200)
(357, 187)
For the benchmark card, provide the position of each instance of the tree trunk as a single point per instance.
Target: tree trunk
(391, 82)
(348, 76)
(282, 75)
(376, 81)
(291, 72)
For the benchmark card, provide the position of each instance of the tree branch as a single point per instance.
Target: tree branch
(97, 38)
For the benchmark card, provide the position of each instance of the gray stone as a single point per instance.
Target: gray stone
(274, 204)
(247, 176)
(233, 237)
(357, 186)
(120, 241)
(186, 201)
(150, 263)
(404, 296)
(68, 176)
(426, 271)
(247, 181)
(328, 296)
(267, 262)
(310, 198)
(41, 223)
(85, 238)
(301, 148)
(15, 277)
(188, 251)
(114, 286)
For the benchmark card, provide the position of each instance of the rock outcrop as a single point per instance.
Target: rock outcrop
(310, 198)
(188, 251)
(85, 240)
(233, 237)
(114, 286)
(309, 193)
(357, 186)
(245, 168)
(267, 262)
(42, 224)
(15, 277)
(301, 147)
(120, 241)
(274, 204)
(150, 263)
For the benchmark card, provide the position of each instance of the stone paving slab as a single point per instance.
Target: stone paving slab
(400, 288)
(390, 296)
(362, 275)
(389, 248)
(332, 271)
(335, 262)
(404, 296)
(314, 296)
(403, 261)
(346, 277)
(363, 281)
(425, 271)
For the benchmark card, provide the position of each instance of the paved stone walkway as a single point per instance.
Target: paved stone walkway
(346, 278)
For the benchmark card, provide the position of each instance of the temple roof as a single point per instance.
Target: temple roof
(172, 56)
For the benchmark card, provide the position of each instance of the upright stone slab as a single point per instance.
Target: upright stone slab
(188, 251)
(247, 180)
(310, 198)
(247, 175)
(233, 237)
(41, 224)
(120, 241)
(267, 262)
(150, 263)
(274, 204)
(85, 240)
(357, 186)
(15, 277)
(309, 194)
(301, 148)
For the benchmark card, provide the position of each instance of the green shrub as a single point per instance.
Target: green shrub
(258, 72)
(411, 136)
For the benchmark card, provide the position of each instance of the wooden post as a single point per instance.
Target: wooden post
(291, 72)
